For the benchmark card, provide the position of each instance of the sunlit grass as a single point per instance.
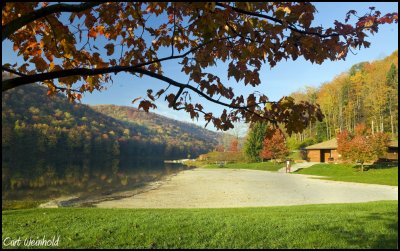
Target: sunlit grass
(265, 166)
(352, 173)
(358, 225)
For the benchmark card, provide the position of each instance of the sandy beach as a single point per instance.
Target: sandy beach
(221, 188)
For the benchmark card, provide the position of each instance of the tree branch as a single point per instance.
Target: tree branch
(13, 71)
(290, 25)
(194, 89)
(13, 26)
(28, 79)
(176, 97)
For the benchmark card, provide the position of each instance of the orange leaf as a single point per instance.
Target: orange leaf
(92, 33)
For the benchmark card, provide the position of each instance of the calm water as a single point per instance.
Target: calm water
(45, 181)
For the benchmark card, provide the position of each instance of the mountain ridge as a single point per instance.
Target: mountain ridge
(33, 122)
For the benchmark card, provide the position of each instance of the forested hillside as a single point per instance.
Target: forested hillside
(37, 126)
(367, 93)
(161, 129)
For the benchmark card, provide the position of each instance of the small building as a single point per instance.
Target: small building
(323, 152)
(393, 151)
(327, 151)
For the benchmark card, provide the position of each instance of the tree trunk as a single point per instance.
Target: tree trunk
(327, 129)
(391, 115)
(391, 123)
(355, 116)
(372, 127)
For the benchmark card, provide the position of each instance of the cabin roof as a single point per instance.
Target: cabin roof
(332, 144)
(329, 144)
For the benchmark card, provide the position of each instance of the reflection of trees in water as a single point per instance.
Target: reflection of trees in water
(43, 179)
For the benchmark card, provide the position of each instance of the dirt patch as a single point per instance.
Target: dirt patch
(216, 188)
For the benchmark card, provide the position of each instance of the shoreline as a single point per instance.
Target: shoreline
(225, 188)
(77, 200)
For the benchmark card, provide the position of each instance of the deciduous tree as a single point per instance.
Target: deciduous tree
(219, 148)
(392, 83)
(274, 146)
(234, 145)
(74, 48)
(362, 146)
(367, 93)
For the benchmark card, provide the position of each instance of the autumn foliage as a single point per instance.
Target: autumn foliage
(75, 48)
(366, 93)
(363, 146)
(274, 146)
(234, 145)
(219, 148)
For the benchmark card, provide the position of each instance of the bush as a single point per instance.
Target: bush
(229, 157)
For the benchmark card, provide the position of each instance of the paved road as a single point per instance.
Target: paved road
(211, 188)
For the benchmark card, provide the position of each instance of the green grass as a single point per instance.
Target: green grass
(295, 155)
(20, 204)
(358, 225)
(352, 173)
(265, 166)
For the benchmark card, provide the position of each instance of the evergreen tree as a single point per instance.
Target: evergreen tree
(254, 143)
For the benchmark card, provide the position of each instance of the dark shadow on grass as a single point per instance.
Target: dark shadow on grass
(360, 237)
(383, 165)
(375, 166)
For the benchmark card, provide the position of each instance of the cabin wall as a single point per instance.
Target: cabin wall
(392, 154)
(313, 156)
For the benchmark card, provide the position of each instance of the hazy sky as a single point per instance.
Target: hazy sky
(285, 78)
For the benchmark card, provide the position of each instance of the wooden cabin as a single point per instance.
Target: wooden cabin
(327, 151)
(323, 152)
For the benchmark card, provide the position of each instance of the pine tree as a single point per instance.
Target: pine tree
(254, 143)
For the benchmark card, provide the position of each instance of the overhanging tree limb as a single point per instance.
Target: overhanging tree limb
(29, 79)
(206, 41)
(19, 81)
(290, 26)
(13, 26)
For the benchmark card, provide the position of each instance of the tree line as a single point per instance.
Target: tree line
(35, 126)
(366, 94)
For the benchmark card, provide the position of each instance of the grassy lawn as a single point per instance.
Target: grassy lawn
(20, 204)
(265, 166)
(351, 173)
(296, 155)
(358, 225)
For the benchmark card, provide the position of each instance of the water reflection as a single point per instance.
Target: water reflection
(44, 180)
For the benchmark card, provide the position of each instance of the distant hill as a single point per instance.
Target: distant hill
(37, 126)
(157, 126)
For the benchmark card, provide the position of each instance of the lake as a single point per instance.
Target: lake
(84, 181)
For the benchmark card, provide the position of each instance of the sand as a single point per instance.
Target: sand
(222, 188)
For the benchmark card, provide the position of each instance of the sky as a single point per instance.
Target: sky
(285, 78)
